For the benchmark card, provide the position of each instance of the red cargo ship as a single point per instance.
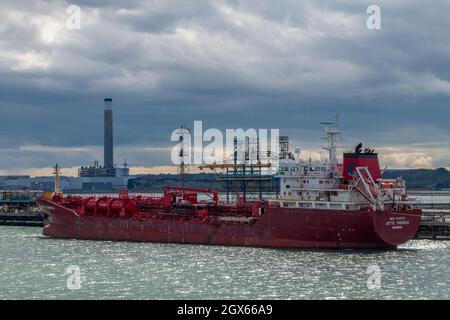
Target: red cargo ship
(321, 205)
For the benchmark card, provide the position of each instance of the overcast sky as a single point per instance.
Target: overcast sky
(250, 64)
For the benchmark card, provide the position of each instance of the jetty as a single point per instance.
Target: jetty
(18, 208)
(435, 223)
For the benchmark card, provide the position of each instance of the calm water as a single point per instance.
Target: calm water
(33, 267)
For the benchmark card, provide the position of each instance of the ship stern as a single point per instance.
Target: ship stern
(396, 227)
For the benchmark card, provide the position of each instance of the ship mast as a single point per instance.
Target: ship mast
(56, 172)
(332, 131)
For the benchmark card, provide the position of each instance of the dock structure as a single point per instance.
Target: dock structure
(18, 208)
(435, 218)
(21, 219)
(436, 214)
(429, 192)
(442, 206)
(435, 224)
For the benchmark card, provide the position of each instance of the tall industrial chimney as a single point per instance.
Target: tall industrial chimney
(108, 143)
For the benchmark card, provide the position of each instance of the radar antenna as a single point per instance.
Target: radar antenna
(332, 131)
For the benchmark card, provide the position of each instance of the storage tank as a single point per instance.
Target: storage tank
(103, 205)
(116, 206)
(90, 204)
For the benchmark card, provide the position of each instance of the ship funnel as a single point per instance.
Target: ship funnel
(108, 135)
(367, 158)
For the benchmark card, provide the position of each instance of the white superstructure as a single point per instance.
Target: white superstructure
(356, 184)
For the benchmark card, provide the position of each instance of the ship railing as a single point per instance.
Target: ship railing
(337, 205)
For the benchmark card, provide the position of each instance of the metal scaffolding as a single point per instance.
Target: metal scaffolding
(248, 170)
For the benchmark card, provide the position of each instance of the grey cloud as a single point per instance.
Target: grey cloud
(289, 65)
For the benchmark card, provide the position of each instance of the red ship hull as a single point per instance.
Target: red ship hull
(276, 228)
